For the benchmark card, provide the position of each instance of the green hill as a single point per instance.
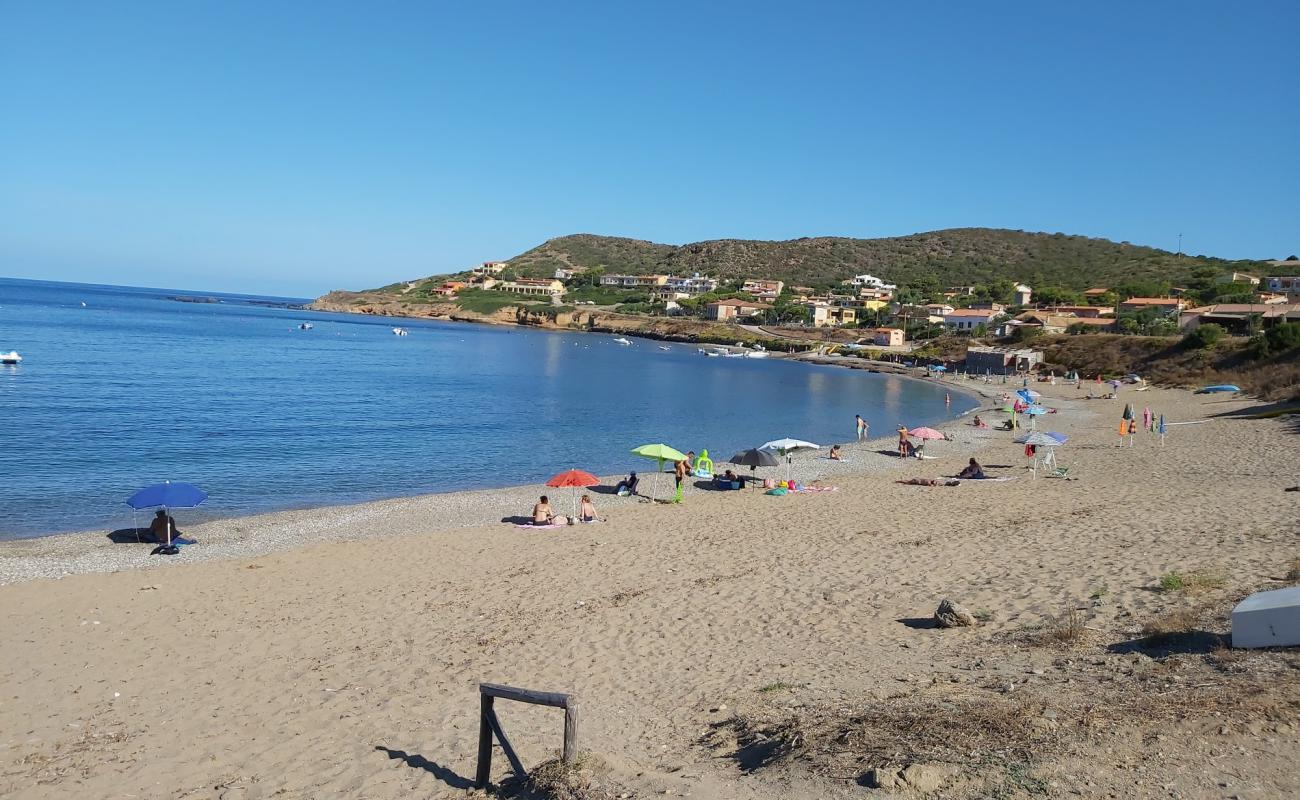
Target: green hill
(927, 262)
(950, 257)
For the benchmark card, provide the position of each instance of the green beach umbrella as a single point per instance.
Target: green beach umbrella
(660, 453)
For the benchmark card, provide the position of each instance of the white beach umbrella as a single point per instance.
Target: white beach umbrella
(787, 446)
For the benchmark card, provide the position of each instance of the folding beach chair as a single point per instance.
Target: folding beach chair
(1061, 471)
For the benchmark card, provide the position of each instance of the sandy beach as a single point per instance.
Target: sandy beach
(738, 645)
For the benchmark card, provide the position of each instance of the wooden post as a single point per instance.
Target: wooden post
(490, 725)
(570, 752)
(484, 742)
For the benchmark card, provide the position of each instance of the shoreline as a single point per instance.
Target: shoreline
(950, 384)
(65, 553)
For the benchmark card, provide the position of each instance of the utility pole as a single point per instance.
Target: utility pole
(1180, 247)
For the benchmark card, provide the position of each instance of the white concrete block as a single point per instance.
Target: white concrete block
(1268, 619)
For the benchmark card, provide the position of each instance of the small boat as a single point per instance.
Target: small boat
(11, 357)
(661, 347)
(305, 326)
(621, 340)
(400, 332)
(711, 353)
(756, 353)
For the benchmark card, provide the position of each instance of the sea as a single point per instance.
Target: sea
(123, 387)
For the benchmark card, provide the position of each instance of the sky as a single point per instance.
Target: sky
(296, 147)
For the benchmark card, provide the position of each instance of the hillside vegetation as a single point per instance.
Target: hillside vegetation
(960, 256)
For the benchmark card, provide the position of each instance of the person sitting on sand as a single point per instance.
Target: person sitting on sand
(835, 453)
(979, 423)
(542, 513)
(627, 486)
(587, 510)
(161, 525)
(972, 470)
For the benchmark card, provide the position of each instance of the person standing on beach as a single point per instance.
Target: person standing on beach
(862, 427)
(903, 444)
(947, 399)
(679, 473)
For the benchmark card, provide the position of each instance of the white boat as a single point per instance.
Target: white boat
(305, 326)
(621, 340)
(661, 347)
(11, 357)
(400, 331)
(756, 354)
(711, 354)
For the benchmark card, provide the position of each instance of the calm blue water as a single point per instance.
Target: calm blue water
(134, 388)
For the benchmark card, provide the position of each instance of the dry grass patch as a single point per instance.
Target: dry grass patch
(556, 780)
(1065, 629)
(1190, 582)
(1171, 626)
(1293, 574)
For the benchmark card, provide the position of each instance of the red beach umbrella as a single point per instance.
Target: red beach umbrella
(574, 479)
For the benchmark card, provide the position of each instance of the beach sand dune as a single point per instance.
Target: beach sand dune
(350, 668)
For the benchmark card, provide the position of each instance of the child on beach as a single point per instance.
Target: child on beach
(835, 453)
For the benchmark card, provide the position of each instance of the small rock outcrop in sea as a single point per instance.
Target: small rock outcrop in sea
(953, 615)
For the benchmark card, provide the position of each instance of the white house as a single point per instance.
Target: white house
(870, 282)
(695, 284)
(1023, 295)
(968, 319)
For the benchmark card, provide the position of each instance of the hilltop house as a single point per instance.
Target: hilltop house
(825, 315)
(1238, 318)
(529, 286)
(966, 320)
(634, 281)
(695, 284)
(1288, 285)
(763, 289)
(1168, 305)
(724, 310)
(1023, 295)
(869, 282)
(448, 289)
(490, 268)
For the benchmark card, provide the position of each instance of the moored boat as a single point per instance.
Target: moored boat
(11, 357)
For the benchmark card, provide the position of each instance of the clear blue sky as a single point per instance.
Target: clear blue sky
(294, 147)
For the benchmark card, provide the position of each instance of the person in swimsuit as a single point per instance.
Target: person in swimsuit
(904, 446)
(862, 427)
(973, 470)
(587, 510)
(835, 453)
(542, 513)
(161, 524)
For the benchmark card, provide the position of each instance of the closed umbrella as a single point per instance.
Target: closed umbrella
(166, 495)
(660, 453)
(574, 479)
(1128, 411)
(1161, 430)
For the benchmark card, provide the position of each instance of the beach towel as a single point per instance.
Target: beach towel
(815, 489)
(778, 491)
(998, 479)
(530, 526)
(183, 540)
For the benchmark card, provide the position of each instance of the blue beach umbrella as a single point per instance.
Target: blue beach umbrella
(1060, 437)
(166, 495)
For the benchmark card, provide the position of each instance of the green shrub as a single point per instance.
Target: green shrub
(1204, 335)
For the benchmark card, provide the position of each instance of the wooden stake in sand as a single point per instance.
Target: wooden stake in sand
(490, 726)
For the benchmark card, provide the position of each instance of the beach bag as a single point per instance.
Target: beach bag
(768, 483)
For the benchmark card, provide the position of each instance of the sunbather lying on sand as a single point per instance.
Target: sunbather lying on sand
(928, 482)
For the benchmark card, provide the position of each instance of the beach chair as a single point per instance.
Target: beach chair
(1060, 471)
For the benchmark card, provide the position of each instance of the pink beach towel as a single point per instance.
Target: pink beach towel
(552, 526)
(816, 489)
